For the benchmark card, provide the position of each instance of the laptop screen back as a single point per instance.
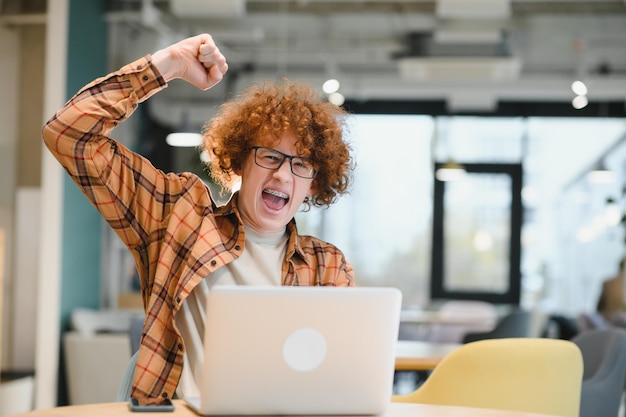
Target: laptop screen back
(299, 350)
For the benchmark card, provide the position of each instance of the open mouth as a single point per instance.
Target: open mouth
(275, 199)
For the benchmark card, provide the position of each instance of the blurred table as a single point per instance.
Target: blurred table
(444, 326)
(428, 317)
(421, 356)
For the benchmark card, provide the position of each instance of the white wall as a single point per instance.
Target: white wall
(49, 272)
(9, 51)
(26, 268)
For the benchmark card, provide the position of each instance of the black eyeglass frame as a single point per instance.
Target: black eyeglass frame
(284, 158)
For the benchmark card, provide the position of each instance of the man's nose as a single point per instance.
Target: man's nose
(285, 167)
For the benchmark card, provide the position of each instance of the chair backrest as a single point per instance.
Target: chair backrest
(604, 355)
(472, 316)
(134, 333)
(532, 375)
(126, 385)
(591, 321)
(515, 324)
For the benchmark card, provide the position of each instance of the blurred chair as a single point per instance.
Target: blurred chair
(558, 326)
(533, 375)
(604, 355)
(123, 392)
(101, 344)
(94, 365)
(455, 318)
(135, 331)
(515, 324)
(591, 321)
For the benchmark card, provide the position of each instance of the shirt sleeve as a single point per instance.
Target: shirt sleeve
(131, 194)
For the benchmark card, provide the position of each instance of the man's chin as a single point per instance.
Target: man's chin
(272, 224)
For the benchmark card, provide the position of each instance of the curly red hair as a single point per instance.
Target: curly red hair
(262, 113)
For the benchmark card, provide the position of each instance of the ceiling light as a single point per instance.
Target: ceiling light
(450, 171)
(336, 98)
(579, 88)
(184, 139)
(330, 86)
(185, 136)
(580, 102)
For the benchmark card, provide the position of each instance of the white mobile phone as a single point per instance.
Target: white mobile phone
(161, 406)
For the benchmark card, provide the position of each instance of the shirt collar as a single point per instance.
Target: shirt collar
(293, 244)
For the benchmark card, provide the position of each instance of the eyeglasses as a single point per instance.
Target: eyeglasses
(269, 158)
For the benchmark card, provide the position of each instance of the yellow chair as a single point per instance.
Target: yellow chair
(533, 375)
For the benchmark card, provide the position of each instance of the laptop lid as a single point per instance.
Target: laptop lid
(299, 350)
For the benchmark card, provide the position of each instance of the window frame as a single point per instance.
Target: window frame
(437, 288)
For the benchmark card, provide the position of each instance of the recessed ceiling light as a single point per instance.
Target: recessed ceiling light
(579, 88)
(330, 86)
(580, 102)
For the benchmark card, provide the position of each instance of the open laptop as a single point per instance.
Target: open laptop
(298, 350)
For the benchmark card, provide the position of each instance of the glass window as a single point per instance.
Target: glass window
(477, 218)
(384, 225)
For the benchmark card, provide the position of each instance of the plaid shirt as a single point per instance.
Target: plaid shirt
(170, 223)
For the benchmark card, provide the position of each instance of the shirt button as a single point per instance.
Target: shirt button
(145, 78)
(237, 247)
(164, 395)
(180, 346)
(178, 299)
(213, 262)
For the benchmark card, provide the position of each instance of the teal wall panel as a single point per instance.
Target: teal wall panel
(87, 59)
(82, 224)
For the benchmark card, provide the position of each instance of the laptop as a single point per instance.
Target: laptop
(298, 350)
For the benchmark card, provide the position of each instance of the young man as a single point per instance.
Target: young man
(281, 140)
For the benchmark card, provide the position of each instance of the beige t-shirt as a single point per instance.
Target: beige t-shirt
(259, 264)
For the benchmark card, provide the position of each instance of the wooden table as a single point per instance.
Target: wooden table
(395, 410)
(421, 356)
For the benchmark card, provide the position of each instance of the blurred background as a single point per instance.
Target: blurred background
(476, 82)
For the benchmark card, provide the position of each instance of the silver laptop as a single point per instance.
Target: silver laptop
(298, 350)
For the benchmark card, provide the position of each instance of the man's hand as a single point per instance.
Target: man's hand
(197, 60)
